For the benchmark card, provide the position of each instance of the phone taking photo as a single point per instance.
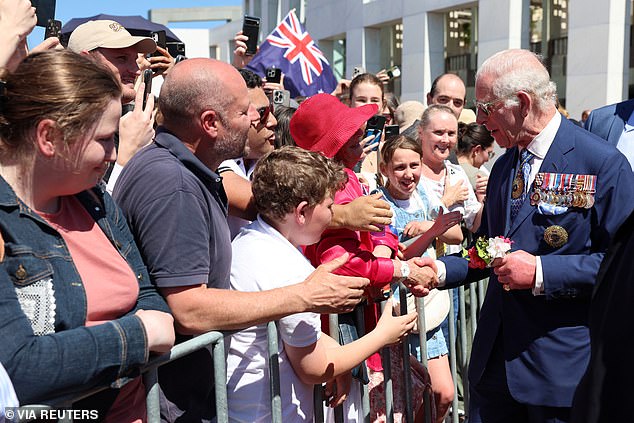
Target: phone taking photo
(273, 74)
(160, 39)
(147, 80)
(375, 127)
(251, 28)
(53, 29)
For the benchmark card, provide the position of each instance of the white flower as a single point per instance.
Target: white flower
(498, 247)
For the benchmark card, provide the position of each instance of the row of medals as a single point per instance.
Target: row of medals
(566, 190)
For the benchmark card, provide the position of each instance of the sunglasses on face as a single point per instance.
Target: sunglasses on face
(264, 113)
(487, 107)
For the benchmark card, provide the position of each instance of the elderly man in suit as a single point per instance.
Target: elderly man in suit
(615, 123)
(559, 193)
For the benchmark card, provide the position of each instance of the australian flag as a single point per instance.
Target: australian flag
(290, 48)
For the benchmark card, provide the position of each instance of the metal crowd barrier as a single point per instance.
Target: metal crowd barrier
(215, 340)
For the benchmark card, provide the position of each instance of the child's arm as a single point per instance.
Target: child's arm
(325, 359)
(444, 227)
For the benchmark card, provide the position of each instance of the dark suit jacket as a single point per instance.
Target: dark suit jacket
(609, 121)
(545, 338)
(606, 388)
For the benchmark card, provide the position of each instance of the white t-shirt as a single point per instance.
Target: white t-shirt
(237, 166)
(263, 259)
(469, 208)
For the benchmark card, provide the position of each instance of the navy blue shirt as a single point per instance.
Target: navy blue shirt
(177, 211)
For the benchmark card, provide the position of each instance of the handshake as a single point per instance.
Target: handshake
(418, 274)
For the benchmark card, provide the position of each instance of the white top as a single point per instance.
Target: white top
(237, 166)
(263, 259)
(468, 208)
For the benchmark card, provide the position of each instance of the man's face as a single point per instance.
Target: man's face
(236, 121)
(261, 138)
(450, 91)
(123, 63)
(504, 122)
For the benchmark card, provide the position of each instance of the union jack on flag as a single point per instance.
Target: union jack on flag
(290, 48)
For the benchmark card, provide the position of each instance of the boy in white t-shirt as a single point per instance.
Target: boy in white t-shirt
(293, 190)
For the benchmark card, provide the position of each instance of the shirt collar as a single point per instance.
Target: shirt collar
(629, 125)
(541, 143)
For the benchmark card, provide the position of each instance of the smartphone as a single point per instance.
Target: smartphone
(175, 49)
(53, 29)
(147, 80)
(375, 127)
(393, 72)
(281, 98)
(160, 40)
(273, 74)
(251, 28)
(358, 70)
(391, 130)
(44, 10)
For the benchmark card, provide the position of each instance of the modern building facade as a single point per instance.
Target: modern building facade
(586, 43)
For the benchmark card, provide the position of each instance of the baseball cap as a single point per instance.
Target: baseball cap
(324, 124)
(407, 113)
(107, 34)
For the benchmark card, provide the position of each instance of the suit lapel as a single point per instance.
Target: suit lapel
(622, 113)
(554, 162)
(499, 220)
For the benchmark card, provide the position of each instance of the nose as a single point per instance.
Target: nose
(271, 121)
(481, 117)
(253, 114)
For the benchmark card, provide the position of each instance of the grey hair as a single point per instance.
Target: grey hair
(519, 70)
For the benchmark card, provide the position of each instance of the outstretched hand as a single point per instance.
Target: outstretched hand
(394, 328)
(136, 128)
(324, 292)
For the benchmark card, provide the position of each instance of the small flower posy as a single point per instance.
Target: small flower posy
(482, 254)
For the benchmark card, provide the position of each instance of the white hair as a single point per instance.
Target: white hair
(519, 70)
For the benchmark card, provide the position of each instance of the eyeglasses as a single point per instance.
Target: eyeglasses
(457, 102)
(264, 113)
(487, 107)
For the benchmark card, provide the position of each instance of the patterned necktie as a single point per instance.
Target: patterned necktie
(518, 195)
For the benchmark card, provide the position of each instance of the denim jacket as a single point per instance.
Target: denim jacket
(46, 348)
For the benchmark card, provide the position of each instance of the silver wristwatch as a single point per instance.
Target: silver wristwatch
(405, 271)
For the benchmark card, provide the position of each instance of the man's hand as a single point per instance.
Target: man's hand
(240, 58)
(17, 20)
(516, 269)
(423, 276)
(136, 129)
(162, 64)
(366, 213)
(324, 292)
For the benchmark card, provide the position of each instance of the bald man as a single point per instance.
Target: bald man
(448, 89)
(177, 208)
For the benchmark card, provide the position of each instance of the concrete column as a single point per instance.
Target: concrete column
(422, 55)
(502, 24)
(355, 49)
(372, 49)
(598, 54)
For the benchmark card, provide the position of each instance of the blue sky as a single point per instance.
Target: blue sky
(68, 9)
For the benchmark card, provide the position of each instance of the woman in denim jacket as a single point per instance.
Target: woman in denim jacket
(77, 309)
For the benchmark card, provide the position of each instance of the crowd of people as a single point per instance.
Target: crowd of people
(126, 230)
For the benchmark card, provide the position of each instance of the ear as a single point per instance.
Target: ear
(47, 137)
(428, 99)
(383, 168)
(301, 213)
(209, 122)
(526, 102)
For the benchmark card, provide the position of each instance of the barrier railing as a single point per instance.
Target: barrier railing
(215, 341)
